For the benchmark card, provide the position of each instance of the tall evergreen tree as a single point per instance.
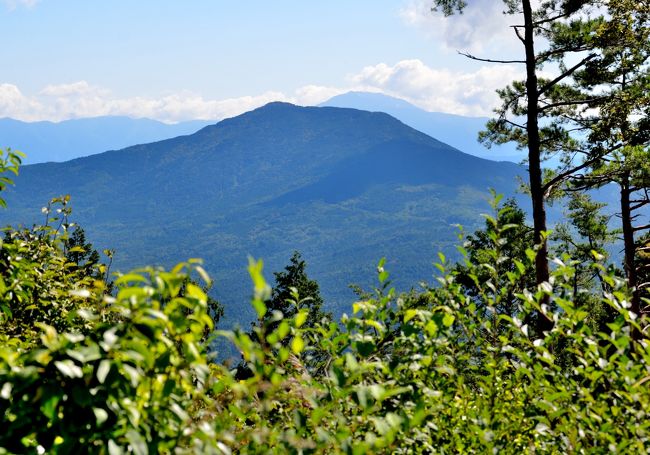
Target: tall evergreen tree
(294, 291)
(617, 83)
(81, 253)
(542, 115)
(293, 279)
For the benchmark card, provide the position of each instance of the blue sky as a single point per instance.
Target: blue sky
(177, 60)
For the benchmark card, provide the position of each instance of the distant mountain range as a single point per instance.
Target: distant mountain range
(62, 141)
(455, 130)
(343, 186)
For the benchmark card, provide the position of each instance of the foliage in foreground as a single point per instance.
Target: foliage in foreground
(423, 372)
(91, 367)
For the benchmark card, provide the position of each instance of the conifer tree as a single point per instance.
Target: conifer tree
(578, 38)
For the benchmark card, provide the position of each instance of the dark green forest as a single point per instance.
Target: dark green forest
(533, 337)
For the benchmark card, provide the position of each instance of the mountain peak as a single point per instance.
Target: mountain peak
(369, 101)
(277, 104)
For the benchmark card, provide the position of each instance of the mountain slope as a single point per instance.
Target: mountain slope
(62, 141)
(343, 186)
(458, 131)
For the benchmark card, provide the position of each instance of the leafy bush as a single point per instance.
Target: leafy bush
(453, 368)
(127, 382)
(428, 373)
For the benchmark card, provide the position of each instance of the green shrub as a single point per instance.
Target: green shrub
(454, 368)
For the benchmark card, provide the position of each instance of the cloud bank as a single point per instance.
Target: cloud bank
(442, 90)
(463, 93)
(481, 25)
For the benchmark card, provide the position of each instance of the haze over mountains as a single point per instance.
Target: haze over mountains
(343, 186)
(455, 130)
(62, 141)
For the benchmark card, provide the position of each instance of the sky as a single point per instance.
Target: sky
(211, 59)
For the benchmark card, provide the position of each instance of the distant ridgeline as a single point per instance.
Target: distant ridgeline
(62, 141)
(343, 186)
(456, 130)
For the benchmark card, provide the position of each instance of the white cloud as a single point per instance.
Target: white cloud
(442, 90)
(13, 4)
(81, 99)
(314, 94)
(81, 88)
(481, 26)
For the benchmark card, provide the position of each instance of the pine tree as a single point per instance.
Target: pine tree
(294, 291)
(589, 43)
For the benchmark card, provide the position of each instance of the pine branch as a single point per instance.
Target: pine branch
(560, 177)
(551, 19)
(566, 74)
(568, 103)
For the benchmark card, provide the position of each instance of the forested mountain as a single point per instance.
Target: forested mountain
(62, 141)
(456, 130)
(343, 186)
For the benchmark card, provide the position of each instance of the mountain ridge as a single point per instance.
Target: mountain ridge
(325, 181)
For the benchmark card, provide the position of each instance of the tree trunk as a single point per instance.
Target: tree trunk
(629, 245)
(534, 162)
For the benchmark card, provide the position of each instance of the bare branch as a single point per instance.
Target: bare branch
(639, 205)
(517, 125)
(521, 38)
(641, 228)
(470, 56)
(550, 19)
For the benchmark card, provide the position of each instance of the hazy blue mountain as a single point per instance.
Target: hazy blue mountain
(343, 186)
(62, 141)
(458, 131)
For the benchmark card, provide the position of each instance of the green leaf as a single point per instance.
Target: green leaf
(103, 370)
(301, 318)
(410, 314)
(113, 448)
(260, 308)
(5, 391)
(49, 406)
(69, 368)
(137, 443)
(195, 292)
(365, 348)
(297, 345)
(100, 415)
